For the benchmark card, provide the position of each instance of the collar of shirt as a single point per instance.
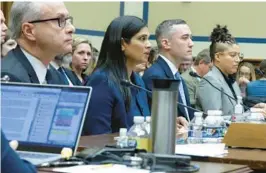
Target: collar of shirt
(55, 65)
(170, 64)
(39, 68)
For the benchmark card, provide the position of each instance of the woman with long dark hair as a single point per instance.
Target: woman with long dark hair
(113, 105)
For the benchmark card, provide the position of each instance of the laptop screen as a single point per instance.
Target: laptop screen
(43, 115)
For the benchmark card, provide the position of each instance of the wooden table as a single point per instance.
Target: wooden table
(205, 167)
(254, 158)
(102, 140)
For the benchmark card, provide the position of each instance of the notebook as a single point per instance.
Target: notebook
(43, 118)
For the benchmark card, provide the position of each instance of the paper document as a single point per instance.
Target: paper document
(100, 169)
(201, 149)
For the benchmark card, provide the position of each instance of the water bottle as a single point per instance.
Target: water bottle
(214, 127)
(147, 125)
(138, 133)
(122, 140)
(195, 129)
(238, 112)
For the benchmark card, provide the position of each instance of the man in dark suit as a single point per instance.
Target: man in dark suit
(39, 40)
(174, 43)
(67, 75)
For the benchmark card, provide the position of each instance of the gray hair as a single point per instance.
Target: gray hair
(23, 12)
(166, 29)
(203, 55)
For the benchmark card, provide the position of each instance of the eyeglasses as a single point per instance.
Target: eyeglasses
(61, 21)
(234, 55)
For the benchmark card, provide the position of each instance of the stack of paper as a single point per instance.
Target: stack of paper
(206, 150)
(100, 169)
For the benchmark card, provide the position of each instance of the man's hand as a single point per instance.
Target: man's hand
(181, 121)
(181, 127)
(13, 144)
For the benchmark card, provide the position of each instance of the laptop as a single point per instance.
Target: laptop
(43, 118)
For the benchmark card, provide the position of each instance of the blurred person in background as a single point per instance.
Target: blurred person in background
(81, 58)
(185, 64)
(8, 45)
(245, 74)
(258, 88)
(202, 65)
(140, 68)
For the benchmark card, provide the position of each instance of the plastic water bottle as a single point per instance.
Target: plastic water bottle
(138, 133)
(147, 124)
(195, 129)
(122, 140)
(238, 112)
(214, 127)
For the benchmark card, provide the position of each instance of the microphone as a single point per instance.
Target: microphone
(258, 71)
(193, 74)
(130, 84)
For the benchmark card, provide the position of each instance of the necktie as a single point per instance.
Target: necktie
(48, 76)
(63, 75)
(181, 91)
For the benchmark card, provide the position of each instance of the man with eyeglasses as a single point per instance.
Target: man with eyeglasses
(42, 31)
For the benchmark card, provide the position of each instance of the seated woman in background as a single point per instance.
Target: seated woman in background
(113, 105)
(8, 45)
(81, 58)
(258, 88)
(245, 74)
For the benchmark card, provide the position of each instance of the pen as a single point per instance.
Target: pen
(62, 164)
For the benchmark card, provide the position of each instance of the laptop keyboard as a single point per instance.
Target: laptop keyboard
(35, 155)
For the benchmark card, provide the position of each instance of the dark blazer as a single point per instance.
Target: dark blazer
(161, 70)
(16, 65)
(11, 162)
(107, 112)
(74, 78)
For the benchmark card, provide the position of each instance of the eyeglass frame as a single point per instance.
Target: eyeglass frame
(240, 55)
(58, 20)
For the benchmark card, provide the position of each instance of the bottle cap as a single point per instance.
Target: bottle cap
(239, 97)
(138, 119)
(122, 132)
(198, 114)
(148, 119)
(214, 112)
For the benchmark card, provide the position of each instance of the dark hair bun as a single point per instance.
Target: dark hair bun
(221, 34)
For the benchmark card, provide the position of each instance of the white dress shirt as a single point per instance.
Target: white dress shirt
(39, 68)
(181, 88)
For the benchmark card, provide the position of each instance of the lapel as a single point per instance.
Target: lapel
(26, 64)
(165, 67)
(140, 95)
(225, 86)
(170, 75)
(72, 77)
